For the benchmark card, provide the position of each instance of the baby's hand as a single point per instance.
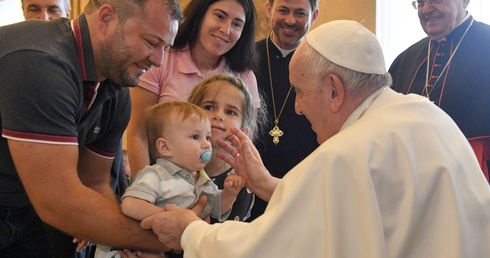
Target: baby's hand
(233, 184)
(82, 244)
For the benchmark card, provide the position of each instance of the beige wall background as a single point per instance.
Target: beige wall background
(358, 10)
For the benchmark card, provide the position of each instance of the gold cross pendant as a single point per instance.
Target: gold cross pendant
(276, 133)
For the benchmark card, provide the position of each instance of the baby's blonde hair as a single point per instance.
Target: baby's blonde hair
(161, 116)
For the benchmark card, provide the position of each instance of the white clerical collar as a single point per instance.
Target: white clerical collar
(284, 52)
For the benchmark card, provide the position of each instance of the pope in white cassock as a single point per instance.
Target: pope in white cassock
(393, 177)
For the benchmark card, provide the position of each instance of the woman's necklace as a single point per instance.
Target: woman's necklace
(427, 86)
(275, 132)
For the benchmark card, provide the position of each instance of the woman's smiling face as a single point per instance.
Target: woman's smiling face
(221, 27)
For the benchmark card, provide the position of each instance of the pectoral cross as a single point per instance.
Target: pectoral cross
(276, 133)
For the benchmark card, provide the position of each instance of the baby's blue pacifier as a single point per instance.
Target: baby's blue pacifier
(206, 156)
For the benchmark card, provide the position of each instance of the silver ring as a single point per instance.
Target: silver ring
(237, 155)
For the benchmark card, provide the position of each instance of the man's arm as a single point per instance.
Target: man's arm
(94, 172)
(49, 175)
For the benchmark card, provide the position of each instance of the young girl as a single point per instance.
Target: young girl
(227, 103)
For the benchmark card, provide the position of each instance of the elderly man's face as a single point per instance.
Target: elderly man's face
(440, 17)
(44, 9)
(311, 99)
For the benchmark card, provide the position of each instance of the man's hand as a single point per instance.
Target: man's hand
(170, 224)
(245, 159)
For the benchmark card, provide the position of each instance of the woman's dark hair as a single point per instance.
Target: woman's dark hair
(243, 55)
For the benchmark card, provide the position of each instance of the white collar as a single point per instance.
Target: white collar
(284, 52)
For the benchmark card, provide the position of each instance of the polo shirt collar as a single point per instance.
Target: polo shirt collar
(84, 48)
(173, 169)
(94, 95)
